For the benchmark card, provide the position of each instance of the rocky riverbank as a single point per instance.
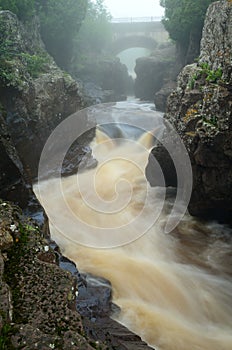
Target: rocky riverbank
(39, 299)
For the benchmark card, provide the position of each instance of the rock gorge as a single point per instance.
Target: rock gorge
(33, 102)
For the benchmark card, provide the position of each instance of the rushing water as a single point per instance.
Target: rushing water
(174, 290)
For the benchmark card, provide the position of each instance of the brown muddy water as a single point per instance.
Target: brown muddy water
(174, 290)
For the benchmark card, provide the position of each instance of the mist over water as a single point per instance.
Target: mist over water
(174, 290)
(129, 56)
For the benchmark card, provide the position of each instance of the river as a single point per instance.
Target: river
(174, 289)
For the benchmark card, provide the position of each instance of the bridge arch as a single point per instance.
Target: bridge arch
(128, 42)
(137, 32)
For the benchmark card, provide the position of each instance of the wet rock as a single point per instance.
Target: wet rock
(165, 161)
(160, 98)
(37, 298)
(95, 306)
(105, 81)
(94, 298)
(94, 94)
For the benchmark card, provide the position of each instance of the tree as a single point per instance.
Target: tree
(94, 34)
(184, 21)
(60, 22)
(24, 9)
(95, 31)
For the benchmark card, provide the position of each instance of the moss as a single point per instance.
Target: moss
(5, 337)
(205, 76)
(16, 66)
(16, 254)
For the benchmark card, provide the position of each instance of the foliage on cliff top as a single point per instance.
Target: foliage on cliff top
(17, 66)
(24, 9)
(94, 35)
(59, 22)
(184, 19)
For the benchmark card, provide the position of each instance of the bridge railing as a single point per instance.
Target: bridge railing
(136, 19)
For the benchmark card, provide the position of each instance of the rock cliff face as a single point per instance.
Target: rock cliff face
(153, 73)
(201, 111)
(35, 96)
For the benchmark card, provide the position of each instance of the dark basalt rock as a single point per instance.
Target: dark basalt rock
(94, 303)
(161, 97)
(166, 163)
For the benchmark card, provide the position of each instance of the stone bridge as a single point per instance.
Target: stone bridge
(146, 32)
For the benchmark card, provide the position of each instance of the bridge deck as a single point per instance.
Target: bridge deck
(136, 19)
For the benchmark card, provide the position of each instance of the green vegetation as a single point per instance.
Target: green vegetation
(35, 64)
(184, 20)
(24, 9)
(16, 68)
(94, 35)
(212, 76)
(60, 22)
(95, 31)
(210, 120)
(8, 54)
(205, 74)
(5, 333)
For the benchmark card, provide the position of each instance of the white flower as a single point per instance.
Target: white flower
(4, 204)
(76, 293)
(46, 248)
(52, 346)
(13, 228)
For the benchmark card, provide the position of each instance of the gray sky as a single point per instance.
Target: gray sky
(134, 8)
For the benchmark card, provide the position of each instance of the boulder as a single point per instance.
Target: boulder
(161, 97)
(105, 81)
(153, 72)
